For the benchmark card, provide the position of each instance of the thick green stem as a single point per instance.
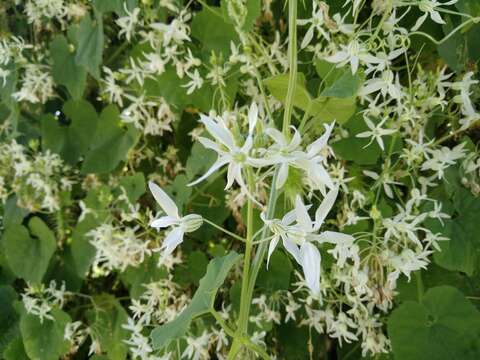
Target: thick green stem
(292, 62)
(243, 317)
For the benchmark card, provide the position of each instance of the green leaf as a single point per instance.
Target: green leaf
(462, 251)
(199, 161)
(195, 268)
(15, 350)
(117, 6)
(8, 316)
(147, 272)
(83, 252)
(278, 87)
(110, 144)
(70, 141)
(323, 109)
(445, 325)
(277, 276)
(328, 109)
(202, 301)
(64, 69)
(106, 325)
(13, 214)
(45, 340)
(344, 87)
(28, 254)
(90, 45)
(213, 31)
(328, 72)
(134, 185)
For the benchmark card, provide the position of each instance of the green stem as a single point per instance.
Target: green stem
(450, 34)
(292, 62)
(243, 317)
(235, 236)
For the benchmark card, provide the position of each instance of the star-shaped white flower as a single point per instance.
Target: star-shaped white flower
(237, 157)
(376, 132)
(180, 225)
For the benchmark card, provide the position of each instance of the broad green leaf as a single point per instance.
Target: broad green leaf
(147, 272)
(346, 86)
(83, 252)
(106, 325)
(462, 251)
(64, 69)
(328, 72)
(253, 10)
(277, 276)
(8, 317)
(278, 87)
(445, 325)
(202, 301)
(471, 7)
(28, 253)
(110, 144)
(199, 161)
(15, 350)
(193, 271)
(90, 45)
(328, 109)
(70, 141)
(213, 31)
(45, 340)
(13, 214)
(134, 186)
(117, 6)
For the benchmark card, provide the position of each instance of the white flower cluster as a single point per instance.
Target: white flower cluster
(117, 248)
(36, 180)
(39, 300)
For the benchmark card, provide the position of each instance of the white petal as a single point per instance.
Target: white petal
(232, 170)
(271, 248)
(436, 17)
(301, 212)
(216, 165)
(173, 239)
(163, 200)
(308, 38)
(325, 207)
(310, 260)
(334, 237)
(209, 144)
(252, 117)
(218, 132)
(419, 22)
(282, 175)
(163, 221)
(276, 135)
(292, 248)
(338, 57)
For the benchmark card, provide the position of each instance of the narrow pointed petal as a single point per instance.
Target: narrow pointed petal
(252, 118)
(282, 175)
(271, 248)
(219, 132)
(163, 200)
(173, 239)
(216, 165)
(163, 222)
(310, 260)
(325, 207)
(301, 212)
(292, 248)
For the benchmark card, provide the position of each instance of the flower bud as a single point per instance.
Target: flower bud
(192, 222)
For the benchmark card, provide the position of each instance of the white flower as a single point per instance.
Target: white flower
(127, 23)
(316, 22)
(298, 238)
(196, 82)
(354, 53)
(237, 157)
(180, 225)
(376, 132)
(429, 8)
